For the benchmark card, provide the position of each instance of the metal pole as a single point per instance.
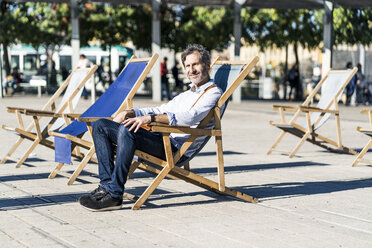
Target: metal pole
(155, 47)
(327, 37)
(75, 37)
(1, 70)
(237, 95)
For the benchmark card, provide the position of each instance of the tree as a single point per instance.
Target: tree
(352, 26)
(209, 26)
(279, 28)
(9, 30)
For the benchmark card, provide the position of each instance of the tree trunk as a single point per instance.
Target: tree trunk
(285, 69)
(6, 58)
(110, 72)
(296, 52)
(299, 93)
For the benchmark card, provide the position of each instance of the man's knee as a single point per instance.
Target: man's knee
(124, 133)
(100, 125)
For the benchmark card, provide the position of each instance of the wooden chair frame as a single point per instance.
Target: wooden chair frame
(368, 132)
(308, 133)
(168, 167)
(39, 136)
(88, 145)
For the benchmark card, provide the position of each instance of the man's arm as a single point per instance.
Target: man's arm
(137, 122)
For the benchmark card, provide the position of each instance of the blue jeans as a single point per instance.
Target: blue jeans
(113, 171)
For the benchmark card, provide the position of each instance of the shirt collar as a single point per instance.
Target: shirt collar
(193, 87)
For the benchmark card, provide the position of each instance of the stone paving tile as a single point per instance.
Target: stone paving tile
(315, 199)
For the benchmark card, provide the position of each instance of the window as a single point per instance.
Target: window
(14, 61)
(65, 61)
(92, 59)
(30, 62)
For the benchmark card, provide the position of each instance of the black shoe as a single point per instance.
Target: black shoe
(107, 202)
(97, 194)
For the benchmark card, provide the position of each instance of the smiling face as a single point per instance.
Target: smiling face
(196, 70)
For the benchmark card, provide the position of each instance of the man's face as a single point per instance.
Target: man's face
(196, 71)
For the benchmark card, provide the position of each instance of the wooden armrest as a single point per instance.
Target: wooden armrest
(360, 129)
(93, 119)
(71, 115)
(165, 128)
(34, 112)
(53, 133)
(285, 108)
(315, 109)
(14, 109)
(365, 111)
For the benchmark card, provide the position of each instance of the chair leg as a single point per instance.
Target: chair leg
(187, 166)
(276, 142)
(14, 147)
(27, 153)
(361, 154)
(132, 168)
(54, 173)
(151, 188)
(294, 151)
(81, 166)
(221, 169)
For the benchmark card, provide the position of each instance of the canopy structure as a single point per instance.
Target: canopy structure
(238, 5)
(260, 4)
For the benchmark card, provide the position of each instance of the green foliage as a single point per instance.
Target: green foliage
(48, 24)
(42, 24)
(212, 27)
(353, 26)
(278, 28)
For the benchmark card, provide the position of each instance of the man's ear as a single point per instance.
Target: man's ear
(208, 66)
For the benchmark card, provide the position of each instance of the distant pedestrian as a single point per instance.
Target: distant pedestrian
(84, 63)
(351, 87)
(64, 73)
(362, 90)
(178, 82)
(100, 72)
(53, 75)
(294, 83)
(164, 77)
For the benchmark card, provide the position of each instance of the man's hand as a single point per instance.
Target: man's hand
(122, 116)
(136, 122)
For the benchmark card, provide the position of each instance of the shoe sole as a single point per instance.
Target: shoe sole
(103, 209)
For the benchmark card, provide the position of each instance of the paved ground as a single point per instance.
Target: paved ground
(313, 200)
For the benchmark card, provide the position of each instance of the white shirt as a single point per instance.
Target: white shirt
(181, 113)
(84, 63)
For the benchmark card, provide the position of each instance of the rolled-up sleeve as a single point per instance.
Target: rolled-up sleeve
(187, 109)
(199, 111)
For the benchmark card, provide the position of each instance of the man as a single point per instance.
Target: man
(84, 63)
(186, 109)
(178, 82)
(294, 82)
(361, 87)
(164, 77)
(350, 88)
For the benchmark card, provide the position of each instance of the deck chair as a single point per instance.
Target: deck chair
(368, 132)
(228, 76)
(73, 87)
(331, 86)
(116, 98)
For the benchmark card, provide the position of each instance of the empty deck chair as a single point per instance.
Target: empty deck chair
(73, 87)
(116, 98)
(368, 132)
(332, 86)
(228, 76)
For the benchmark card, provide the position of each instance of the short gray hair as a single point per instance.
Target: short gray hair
(204, 54)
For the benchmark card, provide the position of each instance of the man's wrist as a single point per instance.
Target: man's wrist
(152, 118)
